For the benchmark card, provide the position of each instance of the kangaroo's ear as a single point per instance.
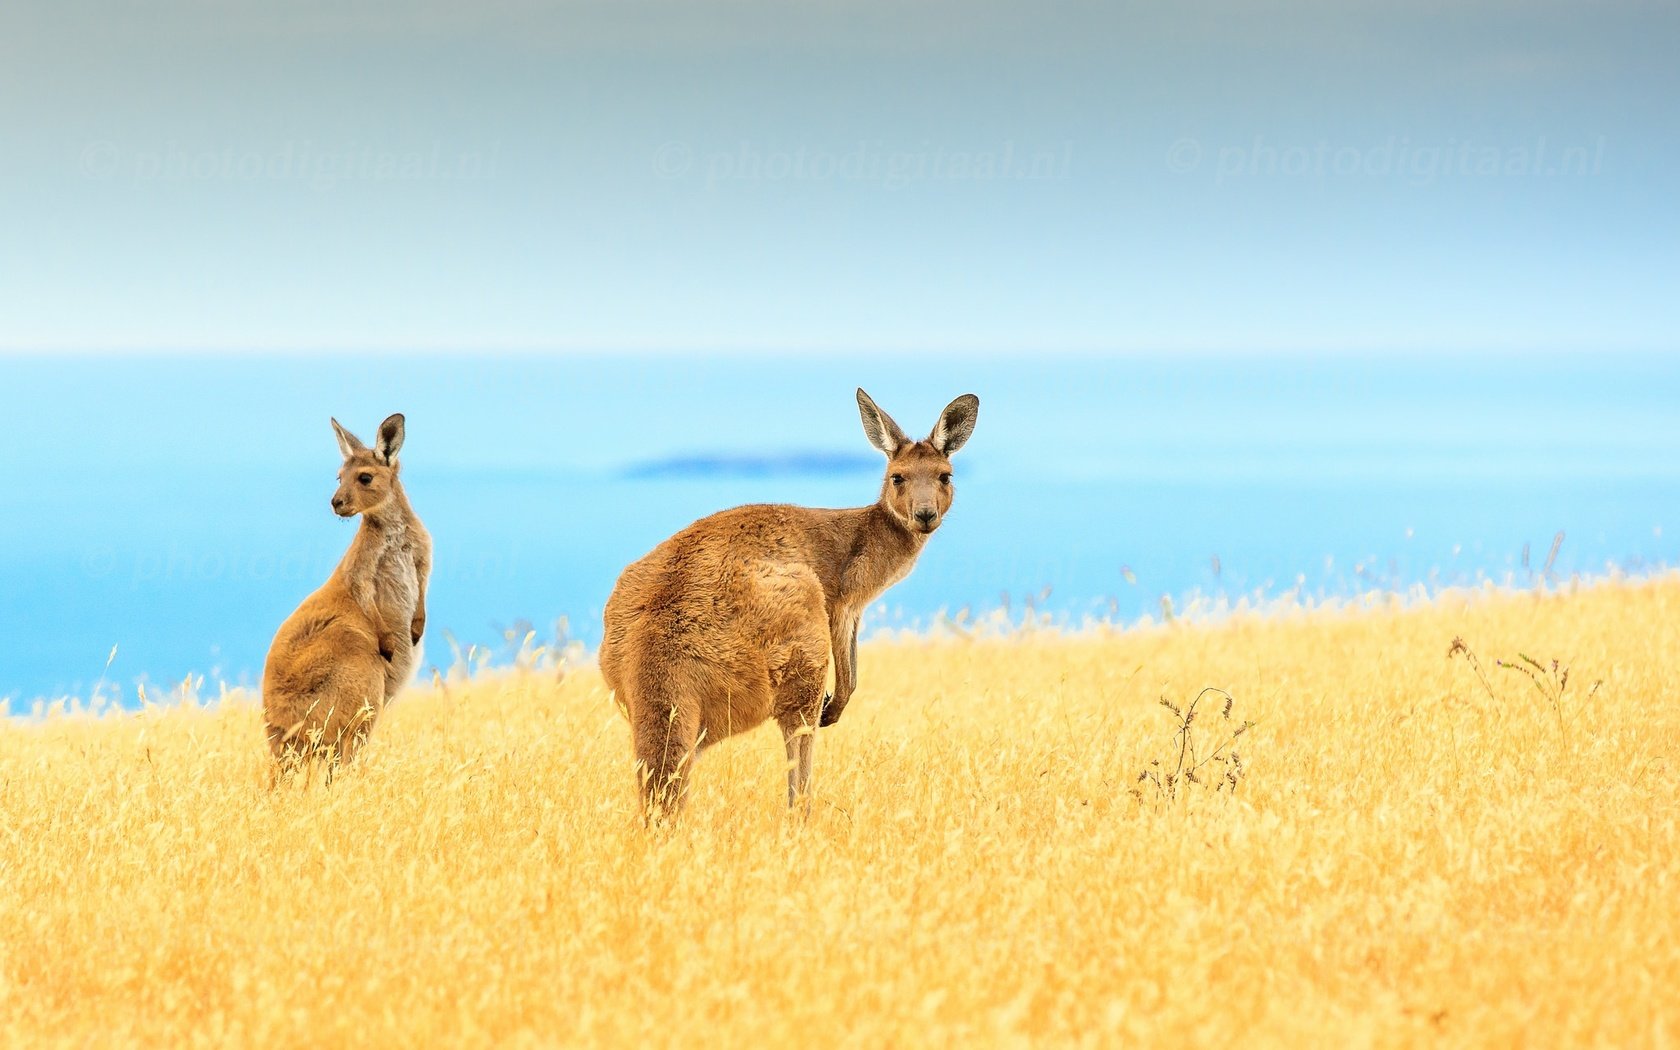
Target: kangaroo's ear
(955, 424)
(348, 443)
(879, 427)
(390, 437)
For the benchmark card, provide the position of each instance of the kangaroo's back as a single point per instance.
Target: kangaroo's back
(719, 583)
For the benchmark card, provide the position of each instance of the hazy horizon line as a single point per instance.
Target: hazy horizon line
(1279, 349)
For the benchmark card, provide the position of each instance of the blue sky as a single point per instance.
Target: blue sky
(746, 175)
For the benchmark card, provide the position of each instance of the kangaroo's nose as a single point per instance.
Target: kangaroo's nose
(925, 517)
(338, 503)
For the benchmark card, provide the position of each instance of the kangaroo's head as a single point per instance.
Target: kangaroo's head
(369, 475)
(917, 489)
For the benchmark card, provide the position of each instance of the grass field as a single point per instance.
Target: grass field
(1416, 852)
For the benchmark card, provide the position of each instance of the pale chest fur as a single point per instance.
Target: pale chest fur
(893, 574)
(396, 577)
(870, 579)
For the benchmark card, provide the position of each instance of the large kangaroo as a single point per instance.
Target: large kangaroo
(734, 620)
(347, 650)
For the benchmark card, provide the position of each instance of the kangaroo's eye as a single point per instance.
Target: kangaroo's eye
(944, 479)
(366, 479)
(898, 479)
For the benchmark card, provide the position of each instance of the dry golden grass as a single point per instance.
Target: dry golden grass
(1411, 859)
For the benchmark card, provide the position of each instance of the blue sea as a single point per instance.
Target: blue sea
(175, 508)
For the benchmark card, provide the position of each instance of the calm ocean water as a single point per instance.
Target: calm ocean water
(176, 508)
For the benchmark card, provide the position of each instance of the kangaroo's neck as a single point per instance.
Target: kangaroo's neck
(875, 551)
(392, 515)
(386, 524)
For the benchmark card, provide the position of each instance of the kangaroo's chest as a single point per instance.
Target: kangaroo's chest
(864, 588)
(880, 579)
(893, 575)
(396, 579)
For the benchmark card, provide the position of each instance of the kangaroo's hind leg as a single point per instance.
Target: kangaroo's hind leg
(362, 699)
(799, 740)
(347, 710)
(354, 734)
(665, 726)
(799, 696)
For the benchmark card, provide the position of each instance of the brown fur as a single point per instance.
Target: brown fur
(352, 645)
(733, 621)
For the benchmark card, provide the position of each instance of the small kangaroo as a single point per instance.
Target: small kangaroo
(735, 619)
(351, 646)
